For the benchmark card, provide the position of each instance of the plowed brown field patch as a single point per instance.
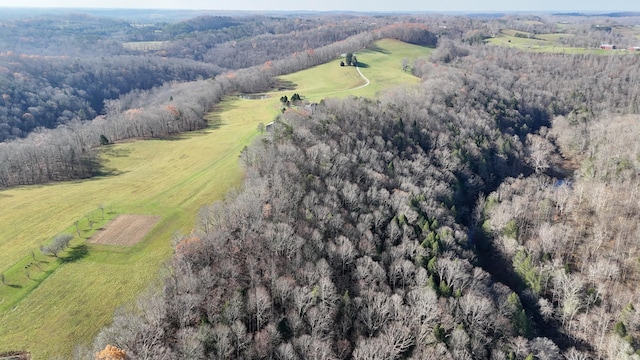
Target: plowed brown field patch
(125, 230)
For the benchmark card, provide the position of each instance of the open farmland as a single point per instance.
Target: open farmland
(169, 179)
(559, 42)
(538, 42)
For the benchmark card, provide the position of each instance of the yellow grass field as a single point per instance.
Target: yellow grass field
(171, 179)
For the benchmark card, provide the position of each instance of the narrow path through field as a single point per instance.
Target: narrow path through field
(367, 82)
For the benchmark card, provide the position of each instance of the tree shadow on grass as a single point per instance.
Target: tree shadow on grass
(172, 137)
(282, 85)
(76, 253)
(363, 65)
(214, 121)
(378, 49)
(99, 166)
(113, 151)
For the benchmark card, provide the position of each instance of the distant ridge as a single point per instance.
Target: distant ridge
(613, 14)
(623, 14)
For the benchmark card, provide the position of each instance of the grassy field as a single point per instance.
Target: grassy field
(65, 303)
(539, 43)
(381, 64)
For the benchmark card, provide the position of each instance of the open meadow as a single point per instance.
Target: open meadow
(539, 42)
(49, 305)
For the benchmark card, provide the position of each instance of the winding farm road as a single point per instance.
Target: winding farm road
(367, 82)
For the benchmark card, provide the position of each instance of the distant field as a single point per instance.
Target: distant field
(539, 42)
(169, 179)
(533, 22)
(145, 45)
(551, 42)
(553, 37)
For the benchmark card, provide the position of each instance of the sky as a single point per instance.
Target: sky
(357, 5)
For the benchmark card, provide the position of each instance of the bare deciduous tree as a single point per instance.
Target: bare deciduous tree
(60, 242)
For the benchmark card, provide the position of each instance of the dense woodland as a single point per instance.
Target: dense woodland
(489, 213)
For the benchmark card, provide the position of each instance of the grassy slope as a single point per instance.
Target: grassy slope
(170, 178)
(80, 297)
(382, 64)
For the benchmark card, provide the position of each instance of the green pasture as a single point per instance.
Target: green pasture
(380, 63)
(51, 305)
(553, 37)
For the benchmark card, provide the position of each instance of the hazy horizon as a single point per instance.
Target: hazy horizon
(338, 5)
